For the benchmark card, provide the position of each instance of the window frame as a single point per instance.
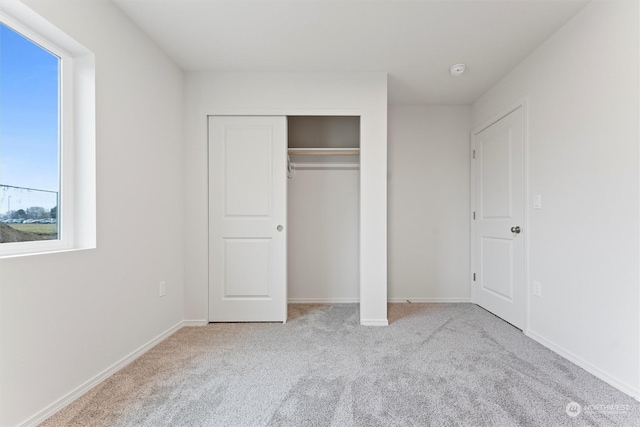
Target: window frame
(76, 145)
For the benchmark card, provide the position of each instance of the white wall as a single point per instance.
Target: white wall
(582, 87)
(429, 203)
(323, 132)
(323, 242)
(66, 317)
(290, 94)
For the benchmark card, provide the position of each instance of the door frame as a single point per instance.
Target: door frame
(284, 112)
(524, 104)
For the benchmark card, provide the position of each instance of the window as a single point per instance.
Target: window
(47, 137)
(29, 139)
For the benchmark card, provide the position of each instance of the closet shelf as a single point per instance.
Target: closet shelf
(302, 166)
(324, 151)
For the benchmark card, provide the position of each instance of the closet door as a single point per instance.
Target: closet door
(247, 219)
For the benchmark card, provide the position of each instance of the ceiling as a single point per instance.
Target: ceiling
(415, 42)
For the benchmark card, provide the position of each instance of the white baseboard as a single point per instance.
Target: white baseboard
(75, 394)
(374, 322)
(323, 300)
(620, 385)
(195, 322)
(390, 300)
(430, 300)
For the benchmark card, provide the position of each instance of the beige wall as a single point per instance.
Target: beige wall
(323, 243)
(582, 87)
(429, 203)
(363, 94)
(66, 317)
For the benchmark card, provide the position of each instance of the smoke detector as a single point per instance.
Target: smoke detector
(457, 70)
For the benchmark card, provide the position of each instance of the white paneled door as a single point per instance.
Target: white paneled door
(499, 207)
(247, 219)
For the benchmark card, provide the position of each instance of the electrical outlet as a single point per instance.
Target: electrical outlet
(537, 289)
(163, 288)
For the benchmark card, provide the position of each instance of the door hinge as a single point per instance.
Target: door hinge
(474, 214)
(474, 154)
(474, 277)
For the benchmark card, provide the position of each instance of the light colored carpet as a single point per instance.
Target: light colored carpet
(435, 365)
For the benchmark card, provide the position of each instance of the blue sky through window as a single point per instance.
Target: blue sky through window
(29, 120)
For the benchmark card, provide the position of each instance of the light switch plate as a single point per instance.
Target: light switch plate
(537, 201)
(537, 289)
(163, 288)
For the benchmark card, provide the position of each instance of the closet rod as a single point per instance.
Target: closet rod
(324, 151)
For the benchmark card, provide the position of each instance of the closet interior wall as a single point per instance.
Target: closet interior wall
(323, 210)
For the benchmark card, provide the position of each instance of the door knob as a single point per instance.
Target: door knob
(516, 229)
(280, 228)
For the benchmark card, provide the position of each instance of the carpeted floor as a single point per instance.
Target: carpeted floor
(435, 365)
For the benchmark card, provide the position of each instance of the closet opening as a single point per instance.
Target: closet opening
(323, 209)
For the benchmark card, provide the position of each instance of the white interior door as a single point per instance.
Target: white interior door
(247, 219)
(499, 218)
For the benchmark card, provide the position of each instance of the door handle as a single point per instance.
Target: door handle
(279, 228)
(516, 229)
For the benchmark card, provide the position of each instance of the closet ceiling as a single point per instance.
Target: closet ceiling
(415, 42)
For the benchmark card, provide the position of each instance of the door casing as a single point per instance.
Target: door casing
(293, 112)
